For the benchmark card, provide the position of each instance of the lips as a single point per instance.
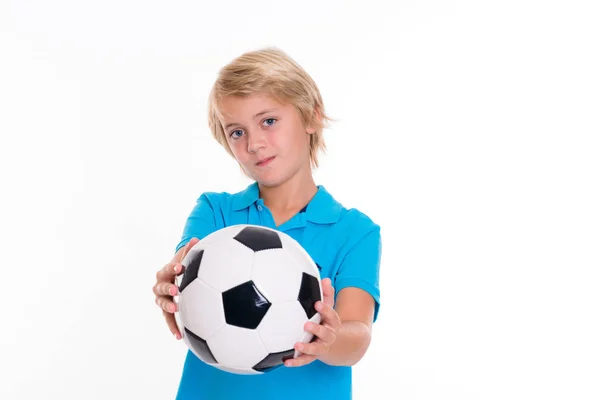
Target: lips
(265, 161)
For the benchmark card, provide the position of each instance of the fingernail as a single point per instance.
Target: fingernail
(319, 306)
(177, 336)
(175, 268)
(172, 290)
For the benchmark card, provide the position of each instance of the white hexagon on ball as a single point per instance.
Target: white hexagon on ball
(237, 347)
(218, 235)
(226, 263)
(282, 326)
(302, 260)
(275, 273)
(200, 299)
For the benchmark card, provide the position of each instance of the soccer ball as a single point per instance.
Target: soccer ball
(244, 297)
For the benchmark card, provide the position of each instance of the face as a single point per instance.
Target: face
(266, 137)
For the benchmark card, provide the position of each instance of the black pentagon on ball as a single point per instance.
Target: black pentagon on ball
(273, 360)
(201, 348)
(191, 271)
(309, 294)
(244, 305)
(257, 238)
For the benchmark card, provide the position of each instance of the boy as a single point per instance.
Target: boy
(267, 113)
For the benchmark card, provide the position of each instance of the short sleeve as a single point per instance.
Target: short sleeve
(200, 222)
(360, 266)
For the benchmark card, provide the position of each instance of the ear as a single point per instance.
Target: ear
(311, 128)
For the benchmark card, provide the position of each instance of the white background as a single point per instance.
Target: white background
(468, 130)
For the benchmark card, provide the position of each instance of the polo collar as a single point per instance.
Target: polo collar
(245, 198)
(322, 208)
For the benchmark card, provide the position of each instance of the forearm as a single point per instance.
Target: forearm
(351, 344)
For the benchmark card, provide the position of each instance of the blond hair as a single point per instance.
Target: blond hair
(270, 71)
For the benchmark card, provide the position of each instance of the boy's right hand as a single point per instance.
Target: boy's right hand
(165, 287)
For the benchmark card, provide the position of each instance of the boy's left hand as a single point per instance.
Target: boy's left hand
(325, 332)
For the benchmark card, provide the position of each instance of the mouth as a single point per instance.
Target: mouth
(265, 161)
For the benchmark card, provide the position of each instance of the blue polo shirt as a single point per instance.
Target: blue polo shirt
(346, 246)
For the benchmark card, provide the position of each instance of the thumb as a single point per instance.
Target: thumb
(188, 247)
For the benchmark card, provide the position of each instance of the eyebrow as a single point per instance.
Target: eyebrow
(255, 116)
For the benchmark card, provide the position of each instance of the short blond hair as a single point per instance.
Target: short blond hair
(270, 71)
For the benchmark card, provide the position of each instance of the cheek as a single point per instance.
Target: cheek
(291, 142)
(237, 148)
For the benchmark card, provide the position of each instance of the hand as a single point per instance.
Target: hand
(325, 333)
(165, 287)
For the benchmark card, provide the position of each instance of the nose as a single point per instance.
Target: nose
(256, 141)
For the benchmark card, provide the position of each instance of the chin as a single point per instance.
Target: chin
(271, 179)
(269, 182)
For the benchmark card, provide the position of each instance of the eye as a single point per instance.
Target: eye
(269, 121)
(233, 133)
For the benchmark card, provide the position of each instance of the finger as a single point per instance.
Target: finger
(325, 333)
(328, 291)
(328, 315)
(165, 289)
(300, 360)
(188, 247)
(168, 272)
(166, 304)
(315, 348)
(172, 324)
(327, 286)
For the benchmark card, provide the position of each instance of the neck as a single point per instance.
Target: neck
(291, 195)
